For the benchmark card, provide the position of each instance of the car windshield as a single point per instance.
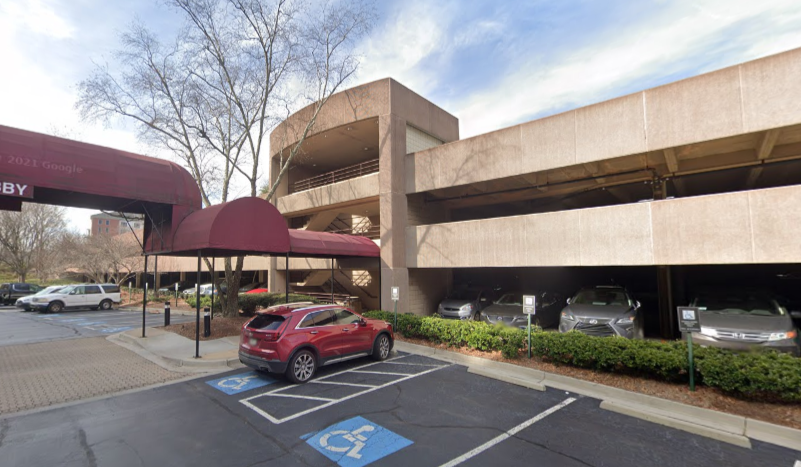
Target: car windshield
(48, 290)
(515, 298)
(601, 297)
(463, 294)
(740, 304)
(65, 290)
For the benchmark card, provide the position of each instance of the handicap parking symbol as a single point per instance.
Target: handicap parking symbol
(240, 383)
(356, 442)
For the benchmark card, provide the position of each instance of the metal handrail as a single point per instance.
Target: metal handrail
(373, 232)
(346, 173)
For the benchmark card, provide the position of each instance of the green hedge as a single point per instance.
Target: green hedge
(248, 303)
(205, 301)
(753, 375)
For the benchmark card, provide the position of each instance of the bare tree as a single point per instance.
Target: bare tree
(211, 96)
(25, 236)
(103, 257)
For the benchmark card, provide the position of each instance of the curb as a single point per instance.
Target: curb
(728, 428)
(175, 364)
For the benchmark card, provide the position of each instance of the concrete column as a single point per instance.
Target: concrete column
(392, 183)
(182, 276)
(262, 276)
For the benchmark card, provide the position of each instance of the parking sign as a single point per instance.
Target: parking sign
(689, 319)
(529, 304)
(395, 294)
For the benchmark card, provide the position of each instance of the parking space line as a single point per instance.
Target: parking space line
(293, 396)
(379, 373)
(409, 364)
(266, 415)
(472, 453)
(344, 384)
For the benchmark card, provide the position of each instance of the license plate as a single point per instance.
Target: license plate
(253, 341)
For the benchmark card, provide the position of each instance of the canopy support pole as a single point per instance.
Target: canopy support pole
(197, 309)
(213, 287)
(332, 280)
(286, 279)
(156, 275)
(144, 298)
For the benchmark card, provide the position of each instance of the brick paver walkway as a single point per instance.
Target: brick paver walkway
(46, 373)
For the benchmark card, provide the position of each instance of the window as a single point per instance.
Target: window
(345, 317)
(320, 318)
(100, 230)
(100, 222)
(92, 289)
(106, 222)
(79, 290)
(111, 288)
(106, 229)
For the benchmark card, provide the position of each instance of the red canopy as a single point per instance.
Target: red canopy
(253, 226)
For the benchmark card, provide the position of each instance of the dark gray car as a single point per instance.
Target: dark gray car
(744, 320)
(466, 303)
(508, 310)
(603, 311)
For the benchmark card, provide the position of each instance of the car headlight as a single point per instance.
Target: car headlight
(568, 316)
(468, 307)
(711, 332)
(780, 336)
(626, 321)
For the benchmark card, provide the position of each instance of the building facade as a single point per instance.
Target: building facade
(692, 183)
(108, 224)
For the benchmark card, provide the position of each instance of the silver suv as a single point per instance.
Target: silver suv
(603, 311)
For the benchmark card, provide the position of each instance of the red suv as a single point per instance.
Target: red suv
(297, 338)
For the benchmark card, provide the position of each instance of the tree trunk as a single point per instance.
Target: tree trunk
(233, 275)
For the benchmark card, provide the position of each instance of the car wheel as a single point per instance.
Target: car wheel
(381, 347)
(301, 367)
(55, 307)
(105, 305)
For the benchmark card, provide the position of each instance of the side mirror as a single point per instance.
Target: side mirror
(795, 314)
(362, 322)
(637, 304)
(568, 300)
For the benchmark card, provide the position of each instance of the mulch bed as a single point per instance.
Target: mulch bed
(708, 398)
(220, 327)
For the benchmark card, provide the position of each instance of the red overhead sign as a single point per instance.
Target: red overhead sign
(17, 190)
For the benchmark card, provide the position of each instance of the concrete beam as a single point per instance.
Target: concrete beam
(767, 144)
(671, 160)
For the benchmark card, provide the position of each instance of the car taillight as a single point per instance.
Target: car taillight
(270, 336)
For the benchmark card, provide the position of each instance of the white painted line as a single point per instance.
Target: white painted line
(381, 373)
(295, 396)
(508, 434)
(410, 364)
(797, 464)
(358, 368)
(329, 404)
(344, 384)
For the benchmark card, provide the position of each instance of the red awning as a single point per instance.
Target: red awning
(71, 173)
(323, 244)
(253, 226)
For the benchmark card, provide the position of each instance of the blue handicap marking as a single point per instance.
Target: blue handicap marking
(356, 442)
(240, 383)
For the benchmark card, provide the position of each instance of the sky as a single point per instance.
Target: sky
(491, 64)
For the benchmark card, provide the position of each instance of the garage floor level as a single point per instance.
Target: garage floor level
(411, 411)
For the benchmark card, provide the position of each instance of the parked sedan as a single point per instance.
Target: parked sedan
(508, 310)
(25, 302)
(298, 338)
(744, 320)
(466, 303)
(603, 311)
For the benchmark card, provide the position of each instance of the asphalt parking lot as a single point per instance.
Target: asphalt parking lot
(18, 327)
(410, 410)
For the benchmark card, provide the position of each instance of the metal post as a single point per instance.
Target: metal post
(167, 313)
(144, 299)
(206, 322)
(286, 279)
(690, 355)
(332, 280)
(197, 309)
(529, 336)
(395, 328)
(213, 287)
(156, 276)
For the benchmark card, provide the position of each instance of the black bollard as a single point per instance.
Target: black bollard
(166, 313)
(206, 322)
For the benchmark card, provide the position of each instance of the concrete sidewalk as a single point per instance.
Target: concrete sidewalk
(176, 353)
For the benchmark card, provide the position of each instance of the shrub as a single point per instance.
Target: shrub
(205, 301)
(249, 303)
(764, 375)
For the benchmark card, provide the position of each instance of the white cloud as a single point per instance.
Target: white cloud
(414, 31)
(649, 49)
